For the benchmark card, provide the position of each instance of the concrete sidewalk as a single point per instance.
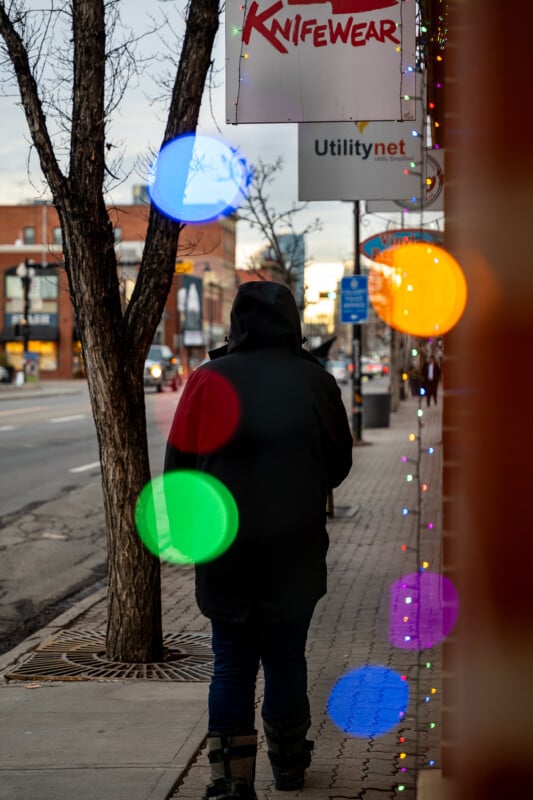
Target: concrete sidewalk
(41, 388)
(126, 738)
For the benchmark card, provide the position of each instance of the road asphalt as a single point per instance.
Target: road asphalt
(51, 552)
(77, 726)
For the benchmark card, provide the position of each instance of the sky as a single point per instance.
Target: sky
(137, 127)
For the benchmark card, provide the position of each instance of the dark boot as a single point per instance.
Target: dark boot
(232, 762)
(289, 753)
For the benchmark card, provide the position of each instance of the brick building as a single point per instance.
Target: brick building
(31, 235)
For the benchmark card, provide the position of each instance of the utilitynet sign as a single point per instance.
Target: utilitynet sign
(319, 60)
(358, 161)
(361, 160)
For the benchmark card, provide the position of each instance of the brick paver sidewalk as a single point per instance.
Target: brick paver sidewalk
(371, 547)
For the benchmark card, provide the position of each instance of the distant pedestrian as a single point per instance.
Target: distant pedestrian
(414, 381)
(431, 375)
(290, 446)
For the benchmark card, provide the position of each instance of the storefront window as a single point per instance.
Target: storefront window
(28, 235)
(78, 364)
(47, 352)
(43, 320)
(43, 288)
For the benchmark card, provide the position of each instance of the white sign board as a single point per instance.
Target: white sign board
(358, 161)
(361, 160)
(319, 60)
(430, 192)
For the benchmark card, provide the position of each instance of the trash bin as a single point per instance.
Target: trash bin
(376, 410)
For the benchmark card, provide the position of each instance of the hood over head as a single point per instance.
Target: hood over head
(264, 314)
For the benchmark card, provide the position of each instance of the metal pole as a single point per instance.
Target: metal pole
(26, 282)
(357, 398)
(25, 273)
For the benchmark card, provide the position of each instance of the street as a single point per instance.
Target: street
(53, 543)
(48, 445)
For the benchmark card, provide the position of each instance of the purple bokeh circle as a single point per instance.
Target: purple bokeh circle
(424, 610)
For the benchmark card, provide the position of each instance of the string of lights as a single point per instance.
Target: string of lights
(414, 600)
(430, 64)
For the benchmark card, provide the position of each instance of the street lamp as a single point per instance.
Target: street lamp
(26, 274)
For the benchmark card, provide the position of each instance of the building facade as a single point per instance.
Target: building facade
(36, 312)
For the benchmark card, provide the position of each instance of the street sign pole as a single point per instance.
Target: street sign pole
(26, 274)
(357, 399)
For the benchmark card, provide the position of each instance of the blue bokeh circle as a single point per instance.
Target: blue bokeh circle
(198, 178)
(368, 701)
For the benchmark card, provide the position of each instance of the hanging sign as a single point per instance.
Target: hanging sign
(361, 160)
(382, 241)
(190, 304)
(182, 267)
(319, 60)
(428, 197)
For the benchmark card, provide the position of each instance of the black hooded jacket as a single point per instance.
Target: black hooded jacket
(268, 421)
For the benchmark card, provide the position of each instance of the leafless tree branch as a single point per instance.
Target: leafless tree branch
(274, 223)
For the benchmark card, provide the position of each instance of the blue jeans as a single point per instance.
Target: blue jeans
(239, 649)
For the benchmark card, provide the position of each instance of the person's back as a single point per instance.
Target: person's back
(268, 421)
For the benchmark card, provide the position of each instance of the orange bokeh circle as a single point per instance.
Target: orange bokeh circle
(418, 288)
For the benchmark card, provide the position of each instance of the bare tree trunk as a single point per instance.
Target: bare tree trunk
(134, 628)
(115, 380)
(134, 606)
(114, 344)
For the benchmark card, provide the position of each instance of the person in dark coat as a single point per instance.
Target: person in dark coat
(431, 374)
(268, 421)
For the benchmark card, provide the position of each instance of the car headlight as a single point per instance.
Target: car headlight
(156, 371)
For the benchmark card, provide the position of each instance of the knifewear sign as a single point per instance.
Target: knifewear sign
(319, 60)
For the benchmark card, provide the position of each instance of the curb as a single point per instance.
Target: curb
(14, 655)
(25, 394)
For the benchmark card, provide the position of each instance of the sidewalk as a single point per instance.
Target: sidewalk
(41, 388)
(141, 738)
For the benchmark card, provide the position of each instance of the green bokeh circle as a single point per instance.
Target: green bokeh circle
(186, 517)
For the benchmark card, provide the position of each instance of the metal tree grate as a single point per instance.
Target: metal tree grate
(78, 654)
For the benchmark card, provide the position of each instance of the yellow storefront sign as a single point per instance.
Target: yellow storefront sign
(183, 266)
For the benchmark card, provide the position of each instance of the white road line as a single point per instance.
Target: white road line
(7, 427)
(28, 410)
(85, 467)
(72, 418)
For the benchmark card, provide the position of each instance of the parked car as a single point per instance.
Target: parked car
(372, 367)
(161, 368)
(339, 369)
